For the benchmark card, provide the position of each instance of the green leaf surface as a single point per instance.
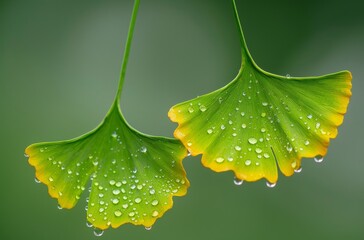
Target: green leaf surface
(261, 122)
(134, 176)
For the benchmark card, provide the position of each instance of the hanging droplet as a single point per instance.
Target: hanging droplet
(98, 232)
(36, 180)
(319, 158)
(271, 185)
(288, 76)
(26, 155)
(298, 170)
(89, 225)
(59, 207)
(238, 181)
(148, 228)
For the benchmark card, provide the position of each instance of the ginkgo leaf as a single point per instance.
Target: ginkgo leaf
(261, 120)
(134, 176)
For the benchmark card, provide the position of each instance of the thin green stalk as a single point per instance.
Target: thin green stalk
(246, 57)
(127, 50)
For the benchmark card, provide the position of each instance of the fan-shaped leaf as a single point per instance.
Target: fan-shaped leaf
(261, 120)
(134, 176)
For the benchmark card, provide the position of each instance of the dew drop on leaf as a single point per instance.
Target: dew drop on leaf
(203, 108)
(252, 140)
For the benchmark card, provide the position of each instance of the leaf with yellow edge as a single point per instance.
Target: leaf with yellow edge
(261, 120)
(134, 176)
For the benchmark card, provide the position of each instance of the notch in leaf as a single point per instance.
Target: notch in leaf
(134, 176)
(261, 120)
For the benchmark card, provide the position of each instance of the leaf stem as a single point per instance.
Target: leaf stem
(246, 57)
(127, 50)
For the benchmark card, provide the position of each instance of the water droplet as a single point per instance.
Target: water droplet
(230, 159)
(112, 182)
(243, 125)
(50, 179)
(125, 206)
(238, 181)
(209, 131)
(138, 200)
(148, 228)
(59, 207)
(155, 214)
(26, 155)
(220, 99)
(248, 162)
(258, 150)
(143, 149)
(309, 116)
(298, 170)
(131, 214)
(222, 127)
(230, 122)
(115, 201)
(264, 104)
(294, 164)
(114, 135)
(242, 114)
(116, 192)
(98, 232)
(252, 140)
(266, 155)
(189, 144)
(289, 148)
(318, 125)
(307, 143)
(118, 213)
(155, 202)
(288, 76)
(152, 191)
(263, 114)
(271, 185)
(89, 225)
(191, 110)
(237, 148)
(203, 108)
(319, 158)
(36, 180)
(219, 160)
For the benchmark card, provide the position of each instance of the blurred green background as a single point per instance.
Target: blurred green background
(59, 69)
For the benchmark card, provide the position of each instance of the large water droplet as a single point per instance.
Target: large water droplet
(248, 162)
(203, 108)
(252, 140)
(243, 125)
(319, 158)
(138, 200)
(114, 135)
(143, 149)
(298, 170)
(238, 181)
(98, 232)
(118, 213)
(271, 185)
(155, 202)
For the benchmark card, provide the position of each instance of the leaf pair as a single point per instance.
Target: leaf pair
(256, 124)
